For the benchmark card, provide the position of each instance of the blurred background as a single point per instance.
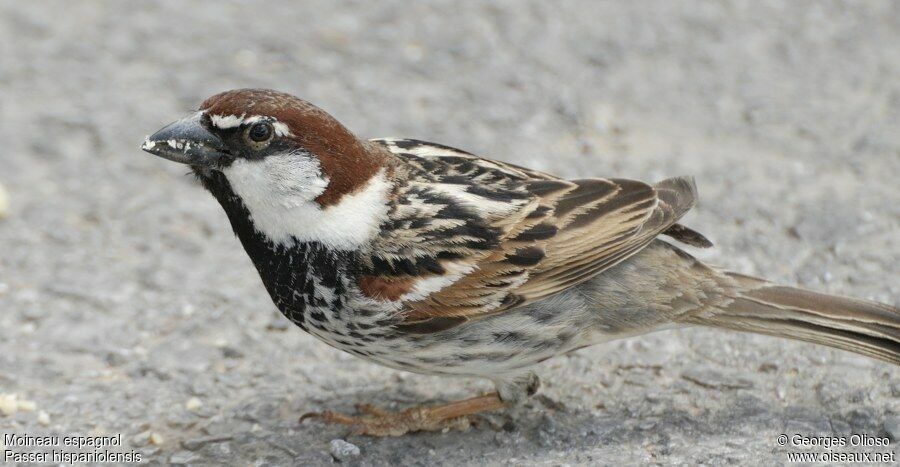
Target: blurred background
(127, 306)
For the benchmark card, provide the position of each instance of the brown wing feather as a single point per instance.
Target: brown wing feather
(561, 234)
(590, 226)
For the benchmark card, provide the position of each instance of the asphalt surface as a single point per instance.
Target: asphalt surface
(128, 307)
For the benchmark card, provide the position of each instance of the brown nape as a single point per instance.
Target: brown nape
(347, 161)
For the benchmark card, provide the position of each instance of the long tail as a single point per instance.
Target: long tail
(864, 327)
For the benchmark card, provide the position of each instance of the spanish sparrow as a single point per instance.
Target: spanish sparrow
(429, 259)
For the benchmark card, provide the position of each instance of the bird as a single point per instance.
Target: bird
(429, 259)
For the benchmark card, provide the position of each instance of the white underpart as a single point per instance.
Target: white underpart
(233, 121)
(280, 191)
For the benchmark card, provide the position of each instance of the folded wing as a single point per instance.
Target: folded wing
(498, 236)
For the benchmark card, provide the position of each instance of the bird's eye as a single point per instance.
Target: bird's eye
(260, 132)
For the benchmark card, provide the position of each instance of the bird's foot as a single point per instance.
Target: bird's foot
(379, 422)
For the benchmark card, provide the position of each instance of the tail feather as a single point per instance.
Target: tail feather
(860, 326)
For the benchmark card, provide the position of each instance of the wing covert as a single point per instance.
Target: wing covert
(498, 236)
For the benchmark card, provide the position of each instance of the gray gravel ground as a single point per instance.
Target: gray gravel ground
(128, 306)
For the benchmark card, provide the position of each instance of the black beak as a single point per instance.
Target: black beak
(187, 141)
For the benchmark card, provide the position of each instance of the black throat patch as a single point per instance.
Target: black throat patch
(304, 279)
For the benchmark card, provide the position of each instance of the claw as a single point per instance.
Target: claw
(379, 422)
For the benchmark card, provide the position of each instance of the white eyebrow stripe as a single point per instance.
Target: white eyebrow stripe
(234, 121)
(281, 129)
(226, 121)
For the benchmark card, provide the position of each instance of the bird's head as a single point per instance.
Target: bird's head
(289, 162)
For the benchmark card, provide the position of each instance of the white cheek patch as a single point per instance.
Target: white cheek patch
(280, 191)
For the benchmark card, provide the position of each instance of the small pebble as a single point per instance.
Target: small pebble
(279, 324)
(27, 406)
(342, 450)
(895, 389)
(183, 457)
(156, 439)
(4, 202)
(8, 404)
(43, 418)
(892, 427)
(193, 404)
(141, 439)
(231, 352)
(197, 443)
(11, 403)
(115, 358)
(780, 392)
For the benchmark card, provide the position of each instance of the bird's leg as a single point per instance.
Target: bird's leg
(380, 422)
